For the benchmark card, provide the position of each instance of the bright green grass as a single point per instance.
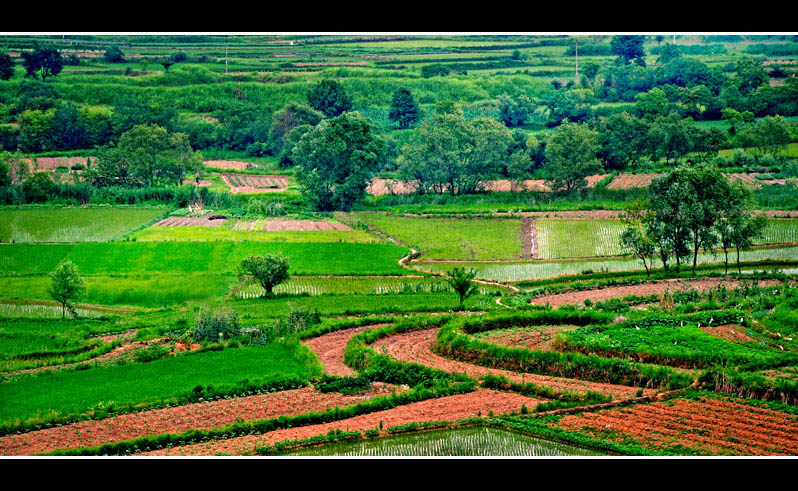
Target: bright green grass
(222, 233)
(305, 258)
(254, 311)
(442, 238)
(559, 239)
(78, 391)
(28, 225)
(547, 269)
(791, 151)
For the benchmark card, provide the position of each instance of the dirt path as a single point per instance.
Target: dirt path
(416, 347)
(205, 415)
(330, 349)
(529, 240)
(450, 408)
(642, 290)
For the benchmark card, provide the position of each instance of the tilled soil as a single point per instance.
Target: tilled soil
(450, 408)
(642, 290)
(536, 338)
(330, 349)
(707, 425)
(190, 222)
(205, 415)
(416, 347)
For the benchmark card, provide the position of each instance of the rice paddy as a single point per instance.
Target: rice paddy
(66, 225)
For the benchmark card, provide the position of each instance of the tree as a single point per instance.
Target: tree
(622, 139)
(335, 161)
(268, 271)
(769, 136)
(462, 282)
(166, 63)
(749, 75)
(286, 119)
(669, 137)
(114, 55)
(733, 219)
(38, 188)
(668, 53)
(514, 111)
(404, 110)
(628, 48)
(6, 66)
(634, 237)
(329, 97)
(142, 148)
(709, 192)
(65, 285)
(42, 62)
(571, 156)
(449, 153)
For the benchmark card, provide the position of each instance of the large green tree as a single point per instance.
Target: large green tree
(267, 271)
(450, 153)
(335, 161)
(66, 284)
(628, 48)
(329, 97)
(42, 62)
(286, 119)
(571, 156)
(6, 66)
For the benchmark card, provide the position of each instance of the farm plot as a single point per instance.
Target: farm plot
(204, 221)
(534, 270)
(31, 225)
(442, 238)
(559, 239)
(228, 164)
(341, 285)
(283, 225)
(780, 231)
(233, 233)
(708, 425)
(629, 181)
(69, 392)
(249, 183)
(480, 441)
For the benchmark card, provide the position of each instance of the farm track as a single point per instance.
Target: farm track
(204, 415)
(330, 349)
(654, 288)
(449, 408)
(417, 347)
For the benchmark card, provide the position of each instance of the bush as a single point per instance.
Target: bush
(300, 319)
(213, 325)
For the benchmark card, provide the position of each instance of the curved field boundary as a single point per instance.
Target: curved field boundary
(330, 348)
(481, 402)
(205, 415)
(417, 347)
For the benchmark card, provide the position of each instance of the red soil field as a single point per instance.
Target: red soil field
(657, 288)
(280, 225)
(711, 426)
(735, 334)
(448, 408)
(416, 347)
(330, 349)
(190, 222)
(205, 415)
(228, 164)
(246, 183)
(531, 338)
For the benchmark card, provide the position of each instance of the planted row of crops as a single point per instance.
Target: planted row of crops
(359, 285)
(31, 225)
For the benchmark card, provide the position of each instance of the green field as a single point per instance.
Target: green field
(516, 271)
(27, 225)
(160, 234)
(69, 392)
(559, 239)
(441, 238)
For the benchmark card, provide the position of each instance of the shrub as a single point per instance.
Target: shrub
(216, 324)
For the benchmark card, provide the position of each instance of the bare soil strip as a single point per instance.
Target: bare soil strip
(450, 408)
(330, 349)
(191, 222)
(655, 288)
(533, 338)
(416, 347)
(205, 415)
(529, 240)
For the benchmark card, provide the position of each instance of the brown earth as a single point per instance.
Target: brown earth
(281, 225)
(707, 425)
(190, 222)
(330, 349)
(204, 415)
(450, 408)
(535, 338)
